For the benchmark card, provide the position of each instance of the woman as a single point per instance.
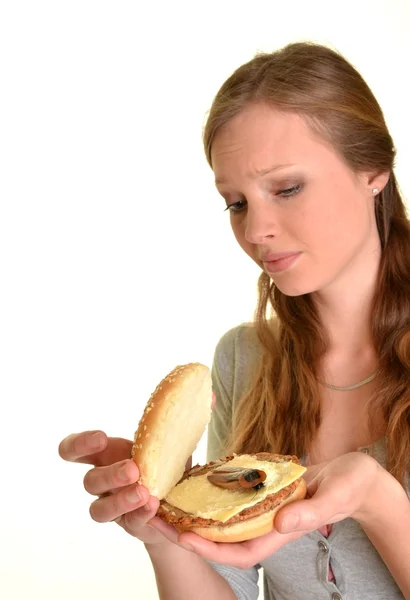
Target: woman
(303, 158)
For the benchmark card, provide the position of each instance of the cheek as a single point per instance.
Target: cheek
(338, 224)
(238, 229)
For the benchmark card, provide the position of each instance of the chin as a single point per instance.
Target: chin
(292, 287)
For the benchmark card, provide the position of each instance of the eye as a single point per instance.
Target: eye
(289, 191)
(236, 207)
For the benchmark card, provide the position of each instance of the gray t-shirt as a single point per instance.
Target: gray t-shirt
(299, 570)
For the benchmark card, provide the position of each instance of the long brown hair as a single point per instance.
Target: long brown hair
(319, 84)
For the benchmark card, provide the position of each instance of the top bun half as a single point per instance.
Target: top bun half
(171, 426)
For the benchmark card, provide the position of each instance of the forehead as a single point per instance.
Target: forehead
(260, 137)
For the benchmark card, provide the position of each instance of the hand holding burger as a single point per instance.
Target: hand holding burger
(337, 489)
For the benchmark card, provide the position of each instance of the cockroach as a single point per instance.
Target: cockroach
(237, 478)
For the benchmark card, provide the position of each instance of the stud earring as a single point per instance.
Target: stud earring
(375, 191)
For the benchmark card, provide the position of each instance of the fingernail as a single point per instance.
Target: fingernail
(289, 523)
(133, 495)
(95, 440)
(147, 507)
(122, 473)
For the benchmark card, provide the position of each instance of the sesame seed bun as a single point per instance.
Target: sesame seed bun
(170, 428)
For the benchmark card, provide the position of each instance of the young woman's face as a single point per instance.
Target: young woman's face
(295, 207)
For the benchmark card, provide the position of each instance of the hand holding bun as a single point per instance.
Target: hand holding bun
(171, 426)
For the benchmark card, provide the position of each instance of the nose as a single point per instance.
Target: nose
(260, 224)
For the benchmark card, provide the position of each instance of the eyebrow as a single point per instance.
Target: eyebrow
(260, 172)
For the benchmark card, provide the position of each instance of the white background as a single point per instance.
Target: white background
(116, 258)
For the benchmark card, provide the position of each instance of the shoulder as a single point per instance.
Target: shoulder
(241, 342)
(240, 338)
(237, 356)
(238, 346)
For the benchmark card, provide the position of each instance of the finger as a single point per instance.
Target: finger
(242, 554)
(117, 449)
(208, 550)
(94, 448)
(113, 506)
(166, 529)
(79, 445)
(104, 479)
(138, 518)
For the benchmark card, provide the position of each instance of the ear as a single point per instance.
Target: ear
(374, 180)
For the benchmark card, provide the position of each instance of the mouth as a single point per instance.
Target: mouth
(280, 261)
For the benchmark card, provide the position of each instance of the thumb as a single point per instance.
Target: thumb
(306, 515)
(297, 517)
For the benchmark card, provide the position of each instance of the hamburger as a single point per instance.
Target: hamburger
(232, 499)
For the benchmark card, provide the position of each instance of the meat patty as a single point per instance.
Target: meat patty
(180, 519)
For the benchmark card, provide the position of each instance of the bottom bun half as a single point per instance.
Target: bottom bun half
(252, 522)
(250, 528)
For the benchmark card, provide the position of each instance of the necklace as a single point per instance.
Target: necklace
(349, 387)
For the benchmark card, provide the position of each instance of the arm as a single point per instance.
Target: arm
(385, 518)
(182, 575)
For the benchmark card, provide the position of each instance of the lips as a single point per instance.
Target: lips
(279, 261)
(277, 256)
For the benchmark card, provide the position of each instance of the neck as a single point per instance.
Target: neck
(345, 307)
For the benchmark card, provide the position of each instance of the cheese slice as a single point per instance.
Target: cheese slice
(200, 498)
